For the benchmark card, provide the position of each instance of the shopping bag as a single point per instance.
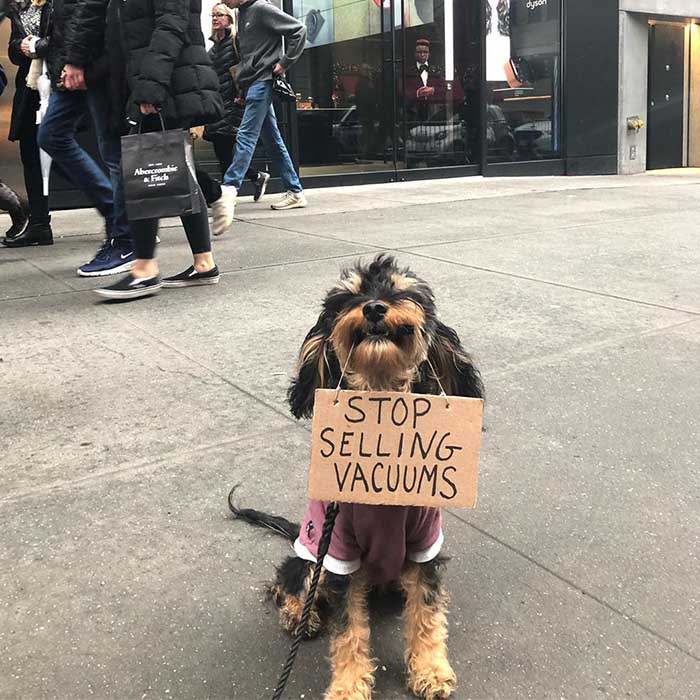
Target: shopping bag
(283, 89)
(159, 175)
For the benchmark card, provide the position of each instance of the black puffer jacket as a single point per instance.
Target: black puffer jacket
(63, 13)
(168, 65)
(94, 43)
(26, 101)
(224, 56)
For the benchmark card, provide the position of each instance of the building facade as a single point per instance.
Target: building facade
(413, 89)
(659, 69)
(520, 87)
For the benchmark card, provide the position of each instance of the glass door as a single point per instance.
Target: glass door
(523, 79)
(439, 83)
(385, 85)
(344, 87)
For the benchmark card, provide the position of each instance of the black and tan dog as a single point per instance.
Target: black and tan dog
(379, 323)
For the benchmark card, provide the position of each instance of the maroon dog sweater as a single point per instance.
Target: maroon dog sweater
(380, 538)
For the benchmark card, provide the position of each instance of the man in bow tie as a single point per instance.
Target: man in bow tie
(424, 85)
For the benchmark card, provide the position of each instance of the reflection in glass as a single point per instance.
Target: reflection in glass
(385, 84)
(344, 94)
(440, 86)
(522, 73)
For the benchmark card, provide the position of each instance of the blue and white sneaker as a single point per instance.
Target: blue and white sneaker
(131, 287)
(113, 257)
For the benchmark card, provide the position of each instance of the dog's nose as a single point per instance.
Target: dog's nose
(375, 311)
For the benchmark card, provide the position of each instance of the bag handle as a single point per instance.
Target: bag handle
(160, 116)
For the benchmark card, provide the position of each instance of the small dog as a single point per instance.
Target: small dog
(379, 323)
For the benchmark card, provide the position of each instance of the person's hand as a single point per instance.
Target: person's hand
(25, 46)
(73, 77)
(279, 69)
(147, 108)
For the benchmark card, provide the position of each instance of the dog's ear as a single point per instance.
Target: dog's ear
(318, 368)
(453, 365)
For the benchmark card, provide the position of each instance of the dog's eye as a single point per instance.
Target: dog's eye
(405, 329)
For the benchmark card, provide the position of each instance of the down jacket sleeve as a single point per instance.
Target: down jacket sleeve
(85, 35)
(169, 35)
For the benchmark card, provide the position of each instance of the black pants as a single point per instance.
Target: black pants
(196, 229)
(196, 225)
(31, 164)
(224, 147)
(209, 187)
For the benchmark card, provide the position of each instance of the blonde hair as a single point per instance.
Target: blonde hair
(232, 15)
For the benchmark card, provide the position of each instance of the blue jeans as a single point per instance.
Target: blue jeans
(259, 121)
(57, 137)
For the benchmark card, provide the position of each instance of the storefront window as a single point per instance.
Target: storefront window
(523, 78)
(440, 85)
(344, 95)
(384, 84)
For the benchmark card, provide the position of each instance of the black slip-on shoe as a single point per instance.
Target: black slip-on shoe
(191, 278)
(131, 287)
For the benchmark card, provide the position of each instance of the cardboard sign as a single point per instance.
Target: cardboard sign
(395, 448)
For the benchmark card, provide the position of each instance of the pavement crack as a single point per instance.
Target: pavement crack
(128, 468)
(586, 348)
(49, 275)
(560, 285)
(573, 585)
(250, 394)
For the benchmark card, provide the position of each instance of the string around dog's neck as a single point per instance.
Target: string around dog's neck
(443, 393)
(342, 374)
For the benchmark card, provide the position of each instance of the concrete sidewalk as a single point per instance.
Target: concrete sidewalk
(124, 426)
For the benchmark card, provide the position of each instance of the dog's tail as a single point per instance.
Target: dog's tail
(281, 526)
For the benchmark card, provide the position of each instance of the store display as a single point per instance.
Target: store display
(314, 23)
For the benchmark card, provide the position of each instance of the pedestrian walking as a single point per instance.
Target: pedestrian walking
(71, 99)
(222, 134)
(169, 76)
(10, 201)
(28, 47)
(261, 30)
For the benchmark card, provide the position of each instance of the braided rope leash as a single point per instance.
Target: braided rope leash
(331, 514)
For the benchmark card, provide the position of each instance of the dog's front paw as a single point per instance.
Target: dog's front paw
(433, 679)
(360, 689)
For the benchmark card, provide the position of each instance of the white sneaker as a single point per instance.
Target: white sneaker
(291, 200)
(223, 209)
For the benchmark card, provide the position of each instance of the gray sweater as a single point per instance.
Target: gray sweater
(261, 27)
